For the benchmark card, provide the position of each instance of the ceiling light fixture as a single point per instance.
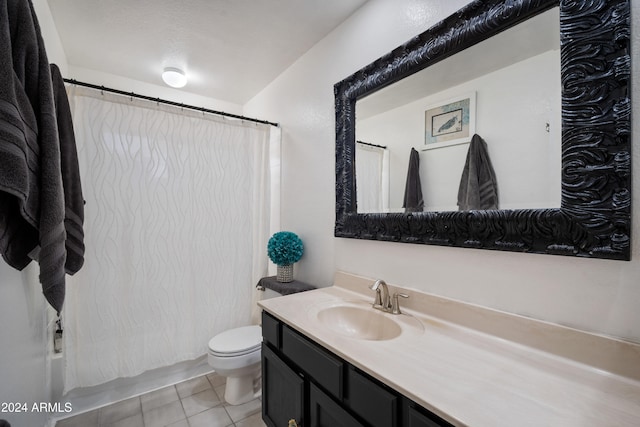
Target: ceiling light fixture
(174, 77)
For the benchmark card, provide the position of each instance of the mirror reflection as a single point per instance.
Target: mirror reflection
(417, 132)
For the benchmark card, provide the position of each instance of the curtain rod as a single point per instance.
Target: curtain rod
(384, 147)
(164, 101)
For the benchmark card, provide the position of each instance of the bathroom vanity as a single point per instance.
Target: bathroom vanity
(330, 359)
(306, 382)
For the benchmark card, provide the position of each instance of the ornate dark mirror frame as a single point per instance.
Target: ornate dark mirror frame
(594, 219)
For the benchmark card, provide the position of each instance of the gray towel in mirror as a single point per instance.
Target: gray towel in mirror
(478, 186)
(413, 201)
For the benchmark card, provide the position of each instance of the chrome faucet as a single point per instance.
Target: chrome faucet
(382, 301)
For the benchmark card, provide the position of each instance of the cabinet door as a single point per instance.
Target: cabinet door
(367, 398)
(324, 412)
(282, 391)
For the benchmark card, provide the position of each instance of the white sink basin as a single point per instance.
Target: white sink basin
(361, 321)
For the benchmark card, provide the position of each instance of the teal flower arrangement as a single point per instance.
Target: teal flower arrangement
(285, 248)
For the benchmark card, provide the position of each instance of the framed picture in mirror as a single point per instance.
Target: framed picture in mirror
(450, 122)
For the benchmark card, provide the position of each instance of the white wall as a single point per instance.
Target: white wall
(595, 295)
(514, 130)
(55, 51)
(23, 362)
(302, 101)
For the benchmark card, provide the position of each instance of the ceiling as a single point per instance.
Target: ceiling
(229, 49)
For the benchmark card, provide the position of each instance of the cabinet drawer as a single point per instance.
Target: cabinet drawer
(271, 329)
(324, 368)
(370, 400)
(324, 412)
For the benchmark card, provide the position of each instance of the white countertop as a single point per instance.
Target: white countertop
(477, 379)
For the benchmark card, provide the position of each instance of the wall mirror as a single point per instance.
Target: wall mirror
(576, 121)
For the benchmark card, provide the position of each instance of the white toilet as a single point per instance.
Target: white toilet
(235, 354)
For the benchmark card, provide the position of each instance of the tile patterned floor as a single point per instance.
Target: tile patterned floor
(194, 403)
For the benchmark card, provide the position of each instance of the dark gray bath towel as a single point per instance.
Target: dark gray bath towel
(478, 185)
(413, 201)
(31, 195)
(73, 201)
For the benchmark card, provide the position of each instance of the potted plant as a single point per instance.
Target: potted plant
(284, 249)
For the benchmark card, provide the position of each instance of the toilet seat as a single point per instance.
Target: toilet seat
(236, 342)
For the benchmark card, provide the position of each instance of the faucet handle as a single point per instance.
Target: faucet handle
(395, 307)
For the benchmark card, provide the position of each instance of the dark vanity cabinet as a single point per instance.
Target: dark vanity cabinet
(303, 381)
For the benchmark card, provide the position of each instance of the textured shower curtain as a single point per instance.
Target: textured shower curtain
(177, 220)
(372, 178)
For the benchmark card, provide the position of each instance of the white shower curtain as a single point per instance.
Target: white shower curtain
(372, 178)
(177, 220)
